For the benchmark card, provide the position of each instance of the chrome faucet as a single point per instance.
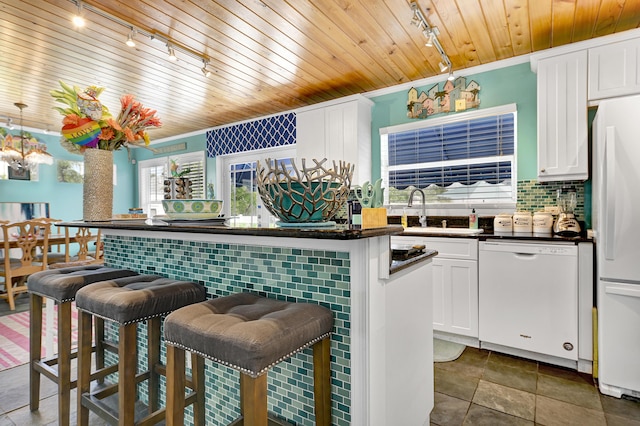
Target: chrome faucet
(423, 217)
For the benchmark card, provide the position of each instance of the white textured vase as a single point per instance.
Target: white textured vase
(97, 200)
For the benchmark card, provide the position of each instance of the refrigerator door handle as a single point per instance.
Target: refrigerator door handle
(609, 209)
(622, 291)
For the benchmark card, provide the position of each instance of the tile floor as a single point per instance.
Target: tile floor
(479, 388)
(488, 388)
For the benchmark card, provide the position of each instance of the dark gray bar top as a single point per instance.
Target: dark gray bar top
(336, 232)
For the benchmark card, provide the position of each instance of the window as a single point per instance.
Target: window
(240, 193)
(152, 173)
(462, 159)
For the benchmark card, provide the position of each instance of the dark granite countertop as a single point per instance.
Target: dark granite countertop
(337, 232)
(486, 235)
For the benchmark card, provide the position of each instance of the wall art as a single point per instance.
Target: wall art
(454, 95)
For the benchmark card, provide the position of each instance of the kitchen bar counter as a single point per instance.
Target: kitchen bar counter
(337, 232)
(382, 345)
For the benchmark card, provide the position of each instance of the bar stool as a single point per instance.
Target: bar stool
(251, 334)
(60, 285)
(127, 302)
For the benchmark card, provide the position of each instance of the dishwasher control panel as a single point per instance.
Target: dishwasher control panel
(561, 249)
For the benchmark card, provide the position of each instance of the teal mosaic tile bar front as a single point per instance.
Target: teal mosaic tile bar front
(296, 275)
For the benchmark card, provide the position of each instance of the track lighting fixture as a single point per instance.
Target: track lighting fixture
(78, 19)
(130, 42)
(205, 71)
(431, 33)
(172, 54)
(153, 35)
(10, 123)
(451, 76)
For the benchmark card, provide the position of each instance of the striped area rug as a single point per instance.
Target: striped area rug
(14, 337)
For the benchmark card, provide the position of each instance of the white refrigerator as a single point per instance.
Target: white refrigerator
(616, 224)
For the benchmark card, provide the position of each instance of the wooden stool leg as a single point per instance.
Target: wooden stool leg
(153, 360)
(64, 362)
(84, 364)
(197, 374)
(127, 360)
(253, 400)
(100, 346)
(322, 381)
(35, 349)
(175, 386)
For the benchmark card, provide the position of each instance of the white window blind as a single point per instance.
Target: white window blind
(466, 158)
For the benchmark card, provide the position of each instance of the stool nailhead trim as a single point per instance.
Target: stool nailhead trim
(133, 321)
(244, 370)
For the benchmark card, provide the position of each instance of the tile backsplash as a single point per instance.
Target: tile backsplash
(534, 196)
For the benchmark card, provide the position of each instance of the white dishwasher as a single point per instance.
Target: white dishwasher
(528, 296)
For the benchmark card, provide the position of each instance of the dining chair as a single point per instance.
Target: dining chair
(61, 252)
(85, 256)
(25, 237)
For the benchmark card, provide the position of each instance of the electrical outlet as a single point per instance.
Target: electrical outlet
(552, 209)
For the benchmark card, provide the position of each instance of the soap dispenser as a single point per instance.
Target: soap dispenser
(473, 220)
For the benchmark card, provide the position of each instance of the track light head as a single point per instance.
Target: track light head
(430, 37)
(204, 69)
(10, 123)
(451, 76)
(172, 54)
(130, 42)
(443, 67)
(78, 19)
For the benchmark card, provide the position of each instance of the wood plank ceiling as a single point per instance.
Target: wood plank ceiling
(266, 56)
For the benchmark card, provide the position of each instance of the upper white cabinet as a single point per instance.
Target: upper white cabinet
(337, 130)
(562, 117)
(614, 69)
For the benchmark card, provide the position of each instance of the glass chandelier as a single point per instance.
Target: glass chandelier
(30, 153)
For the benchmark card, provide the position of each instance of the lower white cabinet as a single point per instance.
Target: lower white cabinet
(455, 283)
(455, 296)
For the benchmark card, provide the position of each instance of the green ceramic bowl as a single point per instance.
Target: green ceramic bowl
(192, 209)
(300, 202)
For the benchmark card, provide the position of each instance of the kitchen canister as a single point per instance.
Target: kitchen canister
(522, 222)
(542, 222)
(503, 223)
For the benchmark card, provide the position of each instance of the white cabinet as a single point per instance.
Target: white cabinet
(562, 118)
(614, 69)
(455, 283)
(337, 130)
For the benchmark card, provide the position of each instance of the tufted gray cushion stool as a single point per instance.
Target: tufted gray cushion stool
(127, 302)
(61, 285)
(251, 334)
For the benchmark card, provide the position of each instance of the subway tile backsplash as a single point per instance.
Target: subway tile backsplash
(534, 196)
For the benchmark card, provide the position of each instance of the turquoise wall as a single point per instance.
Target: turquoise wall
(514, 84)
(65, 199)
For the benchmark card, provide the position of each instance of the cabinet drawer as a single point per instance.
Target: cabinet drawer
(450, 248)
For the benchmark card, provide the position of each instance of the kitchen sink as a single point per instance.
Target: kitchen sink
(443, 231)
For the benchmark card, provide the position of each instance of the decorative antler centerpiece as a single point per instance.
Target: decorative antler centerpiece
(311, 195)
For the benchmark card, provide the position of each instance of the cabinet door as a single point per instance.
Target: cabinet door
(338, 131)
(455, 296)
(614, 70)
(310, 135)
(562, 118)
